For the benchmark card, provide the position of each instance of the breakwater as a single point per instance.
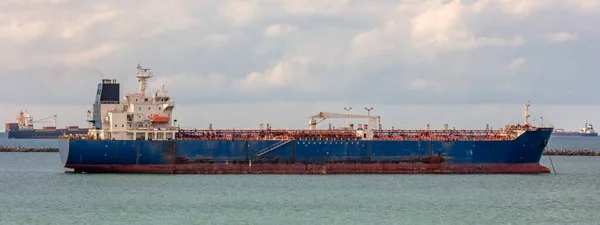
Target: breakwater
(23, 149)
(571, 152)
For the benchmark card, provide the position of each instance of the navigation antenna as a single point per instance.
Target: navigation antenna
(143, 76)
(527, 113)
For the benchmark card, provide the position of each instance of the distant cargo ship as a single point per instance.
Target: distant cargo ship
(139, 135)
(586, 131)
(23, 128)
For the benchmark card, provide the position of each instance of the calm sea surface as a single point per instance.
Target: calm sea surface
(35, 190)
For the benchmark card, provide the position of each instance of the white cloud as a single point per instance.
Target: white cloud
(78, 26)
(423, 30)
(189, 83)
(516, 63)
(338, 52)
(239, 11)
(439, 25)
(524, 8)
(422, 84)
(88, 55)
(588, 6)
(277, 30)
(378, 41)
(559, 37)
(19, 32)
(311, 7)
(214, 40)
(291, 74)
(442, 26)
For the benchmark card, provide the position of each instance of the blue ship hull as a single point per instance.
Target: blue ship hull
(521, 155)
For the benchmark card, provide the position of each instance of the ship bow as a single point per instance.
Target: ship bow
(63, 150)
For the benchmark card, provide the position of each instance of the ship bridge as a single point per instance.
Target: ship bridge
(141, 115)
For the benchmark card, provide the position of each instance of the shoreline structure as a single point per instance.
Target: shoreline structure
(557, 152)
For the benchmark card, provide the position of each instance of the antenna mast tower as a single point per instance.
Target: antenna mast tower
(527, 113)
(143, 75)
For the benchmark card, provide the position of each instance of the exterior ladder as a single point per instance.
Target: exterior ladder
(272, 147)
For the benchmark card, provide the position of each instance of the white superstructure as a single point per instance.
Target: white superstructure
(587, 129)
(25, 121)
(140, 116)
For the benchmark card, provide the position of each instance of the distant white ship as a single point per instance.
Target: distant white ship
(587, 130)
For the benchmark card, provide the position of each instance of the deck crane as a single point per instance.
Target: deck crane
(312, 120)
(25, 120)
(53, 117)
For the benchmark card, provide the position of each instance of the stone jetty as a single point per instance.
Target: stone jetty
(571, 152)
(22, 149)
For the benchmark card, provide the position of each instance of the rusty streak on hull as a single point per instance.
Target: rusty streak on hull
(405, 168)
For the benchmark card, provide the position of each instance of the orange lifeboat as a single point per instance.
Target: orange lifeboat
(160, 119)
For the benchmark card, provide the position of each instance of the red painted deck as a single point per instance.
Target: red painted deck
(203, 168)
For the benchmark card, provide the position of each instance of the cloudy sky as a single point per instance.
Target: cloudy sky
(239, 63)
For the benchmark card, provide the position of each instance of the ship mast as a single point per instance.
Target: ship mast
(348, 116)
(527, 113)
(369, 117)
(143, 78)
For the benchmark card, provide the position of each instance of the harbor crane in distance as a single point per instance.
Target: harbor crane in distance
(46, 120)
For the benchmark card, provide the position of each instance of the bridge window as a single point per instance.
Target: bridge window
(145, 99)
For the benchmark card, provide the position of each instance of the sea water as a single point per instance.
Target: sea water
(35, 190)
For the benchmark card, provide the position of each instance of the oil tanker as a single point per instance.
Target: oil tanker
(139, 135)
(586, 131)
(24, 129)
